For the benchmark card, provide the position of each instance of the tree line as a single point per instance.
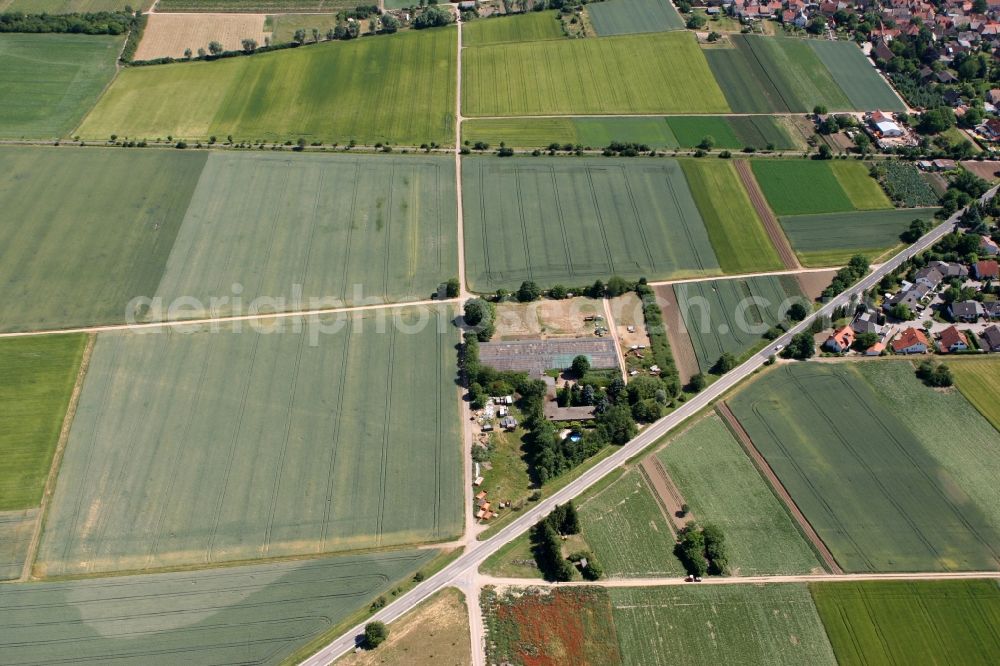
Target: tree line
(89, 23)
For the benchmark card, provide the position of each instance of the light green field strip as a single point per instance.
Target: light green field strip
(719, 624)
(736, 232)
(261, 444)
(395, 88)
(84, 231)
(877, 494)
(530, 27)
(911, 622)
(596, 132)
(857, 77)
(721, 485)
(863, 190)
(573, 221)
(624, 17)
(624, 525)
(661, 73)
(979, 382)
(49, 82)
(798, 73)
(256, 614)
(36, 380)
(307, 231)
(799, 187)
(16, 530)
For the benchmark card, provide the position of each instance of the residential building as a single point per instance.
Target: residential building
(911, 341)
(991, 339)
(968, 311)
(952, 340)
(988, 246)
(841, 340)
(986, 270)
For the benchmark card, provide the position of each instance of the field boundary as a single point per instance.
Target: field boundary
(50, 481)
(667, 494)
(767, 216)
(722, 408)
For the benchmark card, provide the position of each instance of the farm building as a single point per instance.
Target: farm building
(841, 340)
(537, 356)
(553, 412)
(911, 341)
(952, 340)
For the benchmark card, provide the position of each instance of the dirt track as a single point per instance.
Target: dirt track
(670, 497)
(744, 438)
(771, 225)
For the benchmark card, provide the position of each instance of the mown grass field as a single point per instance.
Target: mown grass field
(911, 622)
(624, 525)
(253, 614)
(736, 232)
(979, 382)
(871, 489)
(336, 229)
(661, 73)
(732, 315)
(396, 88)
(67, 261)
(37, 375)
(800, 187)
(595, 132)
(830, 239)
(49, 82)
(856, 76)
(864, 191)
(572, 221)
(732, 132)
(719, 624)
(530, 27)
(260, 444)
(722, 486)
(626, 17)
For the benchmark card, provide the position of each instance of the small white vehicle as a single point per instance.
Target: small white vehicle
(778, 348)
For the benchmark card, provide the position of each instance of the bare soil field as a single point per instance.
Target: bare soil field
(168, 35)
(547, 319)
(812, 284)
(680, 342)
(987, 169)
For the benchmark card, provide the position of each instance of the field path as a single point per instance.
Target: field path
(744, 438)
(771, 225)
(666, 491)
(613, 332)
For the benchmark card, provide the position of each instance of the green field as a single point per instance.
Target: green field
(70, 6)
(530, 27)
(732, 315)
(736, 232)
(625, 526)
(396, 88)
(719, 624)
(595, 132)
(723, 487)
(661, 73)
(36, 379)
(907, 622)
(979, 382)
(260, 443)
(283, 26)
(256, 614)
(800, 187)
(49, 82)
(333, 229)
(65, 261)
(255, 6)
(864, 191)
(858, 79)
(731, 132)
(626, 17)
(572, 221)
(870, 488)
(16, 531)
(830, 239)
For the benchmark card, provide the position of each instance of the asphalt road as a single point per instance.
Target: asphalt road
(469, 561)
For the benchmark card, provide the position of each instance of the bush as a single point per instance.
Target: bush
(938, 376)
(375, 634)
(801, 347)
(528, 291)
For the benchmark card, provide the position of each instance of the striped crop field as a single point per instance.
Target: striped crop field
(530, 27)
(979, 382)
(831, 239)
(660, 73)
(574, 221)
(306, 437)
(626, 17)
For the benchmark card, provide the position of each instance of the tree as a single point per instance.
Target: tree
(475, 311)
(642, 387)
(616, 425)
(187, 54)
(901, 311)
(690, 550)
(249, 46)
(201, 53)
(647, 411)
(698, 383)
(580, 365)
(616, 286)
(452, 288)
(916, 229)
(299, 36)
(938, 376)
(862, 142)
(529, 291)
(819, 110)
(707, 142)
(980, 6)
(375, 634)
(865, 341)
(695, 22)
(432, 17)
(215, 48)
(816, 26)
(725, 363)
(315, 34)
(936, 120)
(390, 23)
(824, 152)
(801, 346)
(558, 292)
(797, 312)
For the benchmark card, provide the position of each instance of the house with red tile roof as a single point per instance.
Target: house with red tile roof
(841, 340)
(986, 270)
(952, 340)
(911, 341)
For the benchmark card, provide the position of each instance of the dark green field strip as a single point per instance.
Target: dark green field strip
(876, 497)
(691, 130)
(260, 443)
(78, 240)
(799, 187)
(37, 375)
(16, 530)
(911, 622)
(570, 222)
(797, 73)
(529, 27)
(623, 17)
(719, 624)
(252, 614)
(731, 316)
(600, 132)
(743, 80)
(857, 77)
(314, 230)
(49, 82)
(595, 132)
(761, 132)
(850, 232)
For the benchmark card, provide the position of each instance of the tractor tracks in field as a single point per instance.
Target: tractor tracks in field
(771, 224)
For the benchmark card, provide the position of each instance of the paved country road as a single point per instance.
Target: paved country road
(468, 563)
